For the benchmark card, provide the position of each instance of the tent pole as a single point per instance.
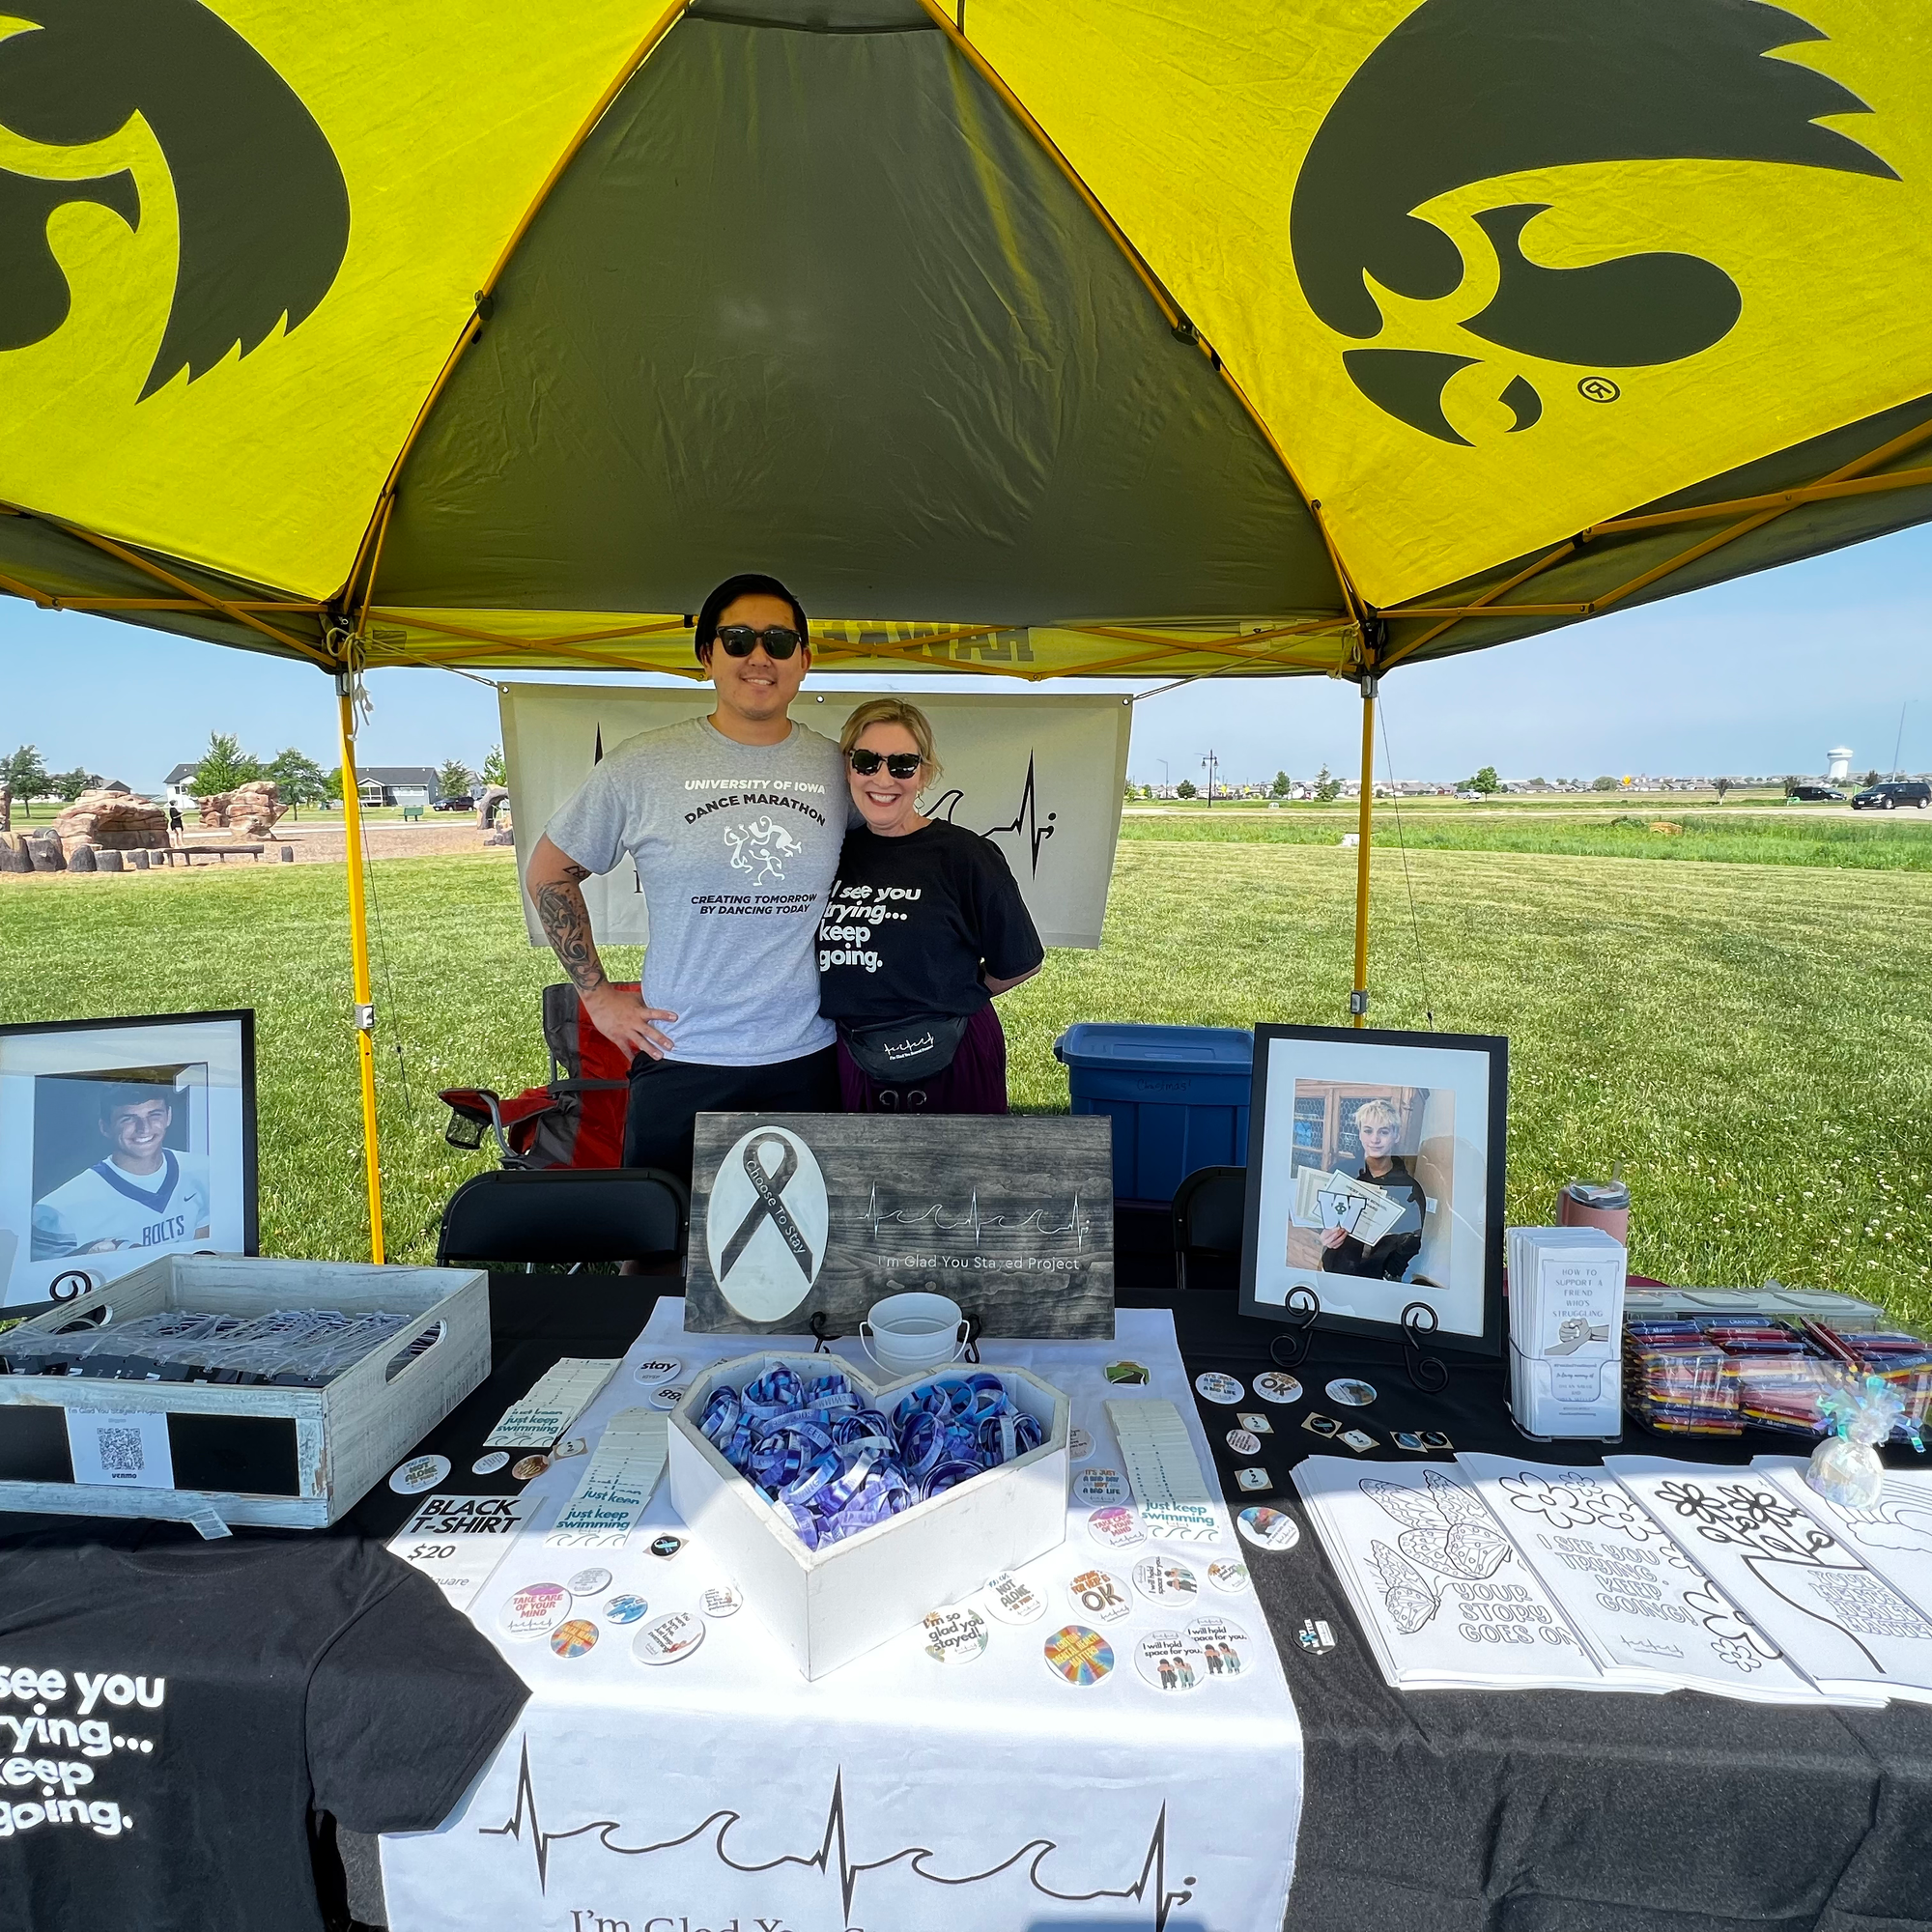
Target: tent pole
(1358, 999)
(358, 955)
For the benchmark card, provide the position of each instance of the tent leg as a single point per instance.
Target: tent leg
(358, 955)
(1358, 999)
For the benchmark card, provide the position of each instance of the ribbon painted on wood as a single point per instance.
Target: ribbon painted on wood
(769, 1206)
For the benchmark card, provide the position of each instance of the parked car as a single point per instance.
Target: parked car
(1892, 793)
(1816, 794)
(461, 802)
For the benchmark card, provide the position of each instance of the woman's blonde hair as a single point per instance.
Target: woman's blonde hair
(1376, 1113)
(893, 711)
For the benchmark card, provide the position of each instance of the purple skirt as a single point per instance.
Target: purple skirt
(975, 1083)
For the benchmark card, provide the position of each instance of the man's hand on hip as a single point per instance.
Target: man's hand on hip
(625, 1021)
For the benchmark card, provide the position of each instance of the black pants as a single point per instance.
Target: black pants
(668, 1096)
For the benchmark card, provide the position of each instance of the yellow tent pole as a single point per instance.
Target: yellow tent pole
(1359, 1000)
(359, 955)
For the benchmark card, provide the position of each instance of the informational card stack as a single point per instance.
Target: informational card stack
(1163, 1471)
(552, 1403)
(1337, 1200)
(624, 1469)
(1565, 1309)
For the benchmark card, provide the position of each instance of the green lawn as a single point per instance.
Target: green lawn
(1754, 1042)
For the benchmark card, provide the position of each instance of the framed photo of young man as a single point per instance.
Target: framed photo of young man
(121, 1140)
(1376, 1181)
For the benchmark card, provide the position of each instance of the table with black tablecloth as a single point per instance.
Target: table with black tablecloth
(1523, 1811)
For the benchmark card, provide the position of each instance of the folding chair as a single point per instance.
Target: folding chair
(570, 1216)
(1209, 1216)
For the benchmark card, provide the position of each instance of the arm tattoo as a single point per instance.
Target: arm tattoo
(566, 924)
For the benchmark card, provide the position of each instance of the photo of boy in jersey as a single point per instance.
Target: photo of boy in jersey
(139, 1191)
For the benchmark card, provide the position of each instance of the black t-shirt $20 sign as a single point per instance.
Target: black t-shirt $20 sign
(910, 919)
(171, 1713)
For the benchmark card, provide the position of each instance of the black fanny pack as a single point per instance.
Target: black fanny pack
(914, 1049)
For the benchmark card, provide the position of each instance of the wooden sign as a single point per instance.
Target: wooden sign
(797, 1216)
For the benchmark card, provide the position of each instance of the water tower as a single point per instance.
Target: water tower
(1839, 764)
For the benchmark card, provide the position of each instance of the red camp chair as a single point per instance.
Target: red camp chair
(576, 1121)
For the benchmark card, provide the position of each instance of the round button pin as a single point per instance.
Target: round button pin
(575, 1637)
(1012, 1601)
(589, 1583)
(417, 1474)
(1244, 1443)
(1214, 1386)
(722, 1601)
(657, 1369)
(1269, 1528)
(668, 1639)
(1099, 1594)
(626, 1609)
(667, 1397)
(955, 1635)
(1170, 1660)
(1115, 1527)
(1272, 1385)
(489, 1463)
(1352, 1392)
(1223, 1646)
(1228, 1576)
(1078, 1656)
(1166, 1580)
(531, 1466)
(534, 1610)
(1093, 1487)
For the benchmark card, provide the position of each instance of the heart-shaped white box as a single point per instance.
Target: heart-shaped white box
(830, 1605)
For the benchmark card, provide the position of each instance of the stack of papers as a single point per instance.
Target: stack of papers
(553, 1402)
(624, 1469)
(1566, 1311)
(1176, 1503)
(1358, 1207)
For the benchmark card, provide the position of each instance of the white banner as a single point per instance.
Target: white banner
(1042, 777)
(987, 1793)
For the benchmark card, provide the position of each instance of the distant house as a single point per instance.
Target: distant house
(397, 785)
(175, 786)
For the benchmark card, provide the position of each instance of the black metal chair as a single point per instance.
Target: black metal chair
(1209, 1213)
(569, 1216)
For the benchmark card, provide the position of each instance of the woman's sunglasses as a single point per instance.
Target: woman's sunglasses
(740, 640)
(901, 764)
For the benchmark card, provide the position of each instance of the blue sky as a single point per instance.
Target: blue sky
(1763, 676)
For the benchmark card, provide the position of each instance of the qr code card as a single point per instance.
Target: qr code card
(127, 1449)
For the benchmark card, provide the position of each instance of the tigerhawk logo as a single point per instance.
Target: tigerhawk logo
(262, 207)
(1470, 90)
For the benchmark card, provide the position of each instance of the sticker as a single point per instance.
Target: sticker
(1230, 1576)
(1434, 1439)
(1099, 1593)
(1126, 1372)
(668, 1639)
(488, 1464)
(1357, 1440)
(1255, 1423)
(1115, 1527)
(722, 1601)
(1078, 1655)
(1352, 1392)
(578, 1445)
(667, 1546)
(1170, 1660)
(955, 1635)
(1256, 1481)
(1181, 1522)
(658, 1369)
(574, 1639)
(589, 1583)
(1244, 1443)
(531, 1466)
(626, 1609)
(534, 1609)
(1013, 1602)
(1272, 1385)
(1165, 1580)
(1317, 1424)
(417, 1474)
(1315, 1637)
(1409, 1439)
(1269, 1528)
(667, 1397)
(1079, 1445)
(1214, 1386)
(1223, 1646)
(1100, 1485)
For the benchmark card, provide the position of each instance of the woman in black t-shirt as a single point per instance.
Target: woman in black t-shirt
(923, 927)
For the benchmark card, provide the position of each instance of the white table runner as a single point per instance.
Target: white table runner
(897, 1794)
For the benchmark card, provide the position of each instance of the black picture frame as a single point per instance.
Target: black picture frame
(1266, 1146)
(242, 1021)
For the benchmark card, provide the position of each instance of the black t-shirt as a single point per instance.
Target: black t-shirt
(171, 1712)
(909, 920)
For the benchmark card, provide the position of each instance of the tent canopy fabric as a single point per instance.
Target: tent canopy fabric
(1037, 336)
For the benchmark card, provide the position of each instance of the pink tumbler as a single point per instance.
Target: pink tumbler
(1596, 1204)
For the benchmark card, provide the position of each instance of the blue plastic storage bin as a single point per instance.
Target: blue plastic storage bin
(1178, 1097)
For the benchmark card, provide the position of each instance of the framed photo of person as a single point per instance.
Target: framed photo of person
(121, 1140)
(1376, 1181)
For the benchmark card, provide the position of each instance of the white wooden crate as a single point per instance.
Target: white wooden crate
(830, 1605)
(333, 1444)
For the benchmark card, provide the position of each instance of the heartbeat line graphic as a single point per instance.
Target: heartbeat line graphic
(1148, 1887)
(1026, 821)
(1036, 1222)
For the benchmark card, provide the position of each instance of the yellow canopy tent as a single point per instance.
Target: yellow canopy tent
(1035, 336)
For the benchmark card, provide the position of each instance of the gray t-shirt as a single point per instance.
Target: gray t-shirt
(736, 846)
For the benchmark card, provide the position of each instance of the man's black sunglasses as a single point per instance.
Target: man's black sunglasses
(740, 640)
(901, 764)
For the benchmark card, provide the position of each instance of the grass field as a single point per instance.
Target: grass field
(1754, 1042)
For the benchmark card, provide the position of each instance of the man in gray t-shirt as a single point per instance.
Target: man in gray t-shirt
(735, 822)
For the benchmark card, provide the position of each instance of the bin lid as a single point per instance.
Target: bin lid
(1200, 1049)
